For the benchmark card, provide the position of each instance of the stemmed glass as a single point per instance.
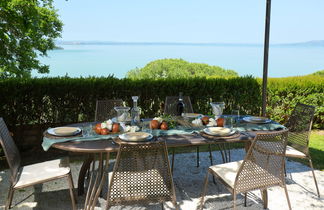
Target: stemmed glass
(217, 108)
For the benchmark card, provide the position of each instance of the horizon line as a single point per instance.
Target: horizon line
(94, 42)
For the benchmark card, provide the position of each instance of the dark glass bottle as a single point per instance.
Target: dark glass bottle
(180, 105)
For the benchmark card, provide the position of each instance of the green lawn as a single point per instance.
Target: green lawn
(316, 147)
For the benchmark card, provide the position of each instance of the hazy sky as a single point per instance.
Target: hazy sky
(220, 21)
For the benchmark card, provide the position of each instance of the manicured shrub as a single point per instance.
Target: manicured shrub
(67, 100)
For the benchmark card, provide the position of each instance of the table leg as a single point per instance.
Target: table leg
(97, 180)
(172, 164)
(264, 194)
(197, 156)
(83, 171)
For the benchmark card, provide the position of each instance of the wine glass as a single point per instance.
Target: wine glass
(122, 113)
(217, 108)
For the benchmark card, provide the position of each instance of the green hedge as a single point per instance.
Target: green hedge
(65, 100)
(284, 93)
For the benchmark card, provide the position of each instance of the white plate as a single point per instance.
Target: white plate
(256, 119)
(64, 131)
(114, 119)
(136, 136)
(219, 131)
(191, 115)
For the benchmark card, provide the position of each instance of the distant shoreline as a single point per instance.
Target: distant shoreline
(319, 43)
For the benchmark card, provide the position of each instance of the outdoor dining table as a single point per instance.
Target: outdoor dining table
(100, 147)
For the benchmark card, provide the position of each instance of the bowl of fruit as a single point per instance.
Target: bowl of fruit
(158, 123)
(107, 127)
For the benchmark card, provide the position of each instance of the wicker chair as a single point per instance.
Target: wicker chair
(262, 167)
(141, 175)
(105, 109)
(25, 176)
(170, 108)
(299, 125)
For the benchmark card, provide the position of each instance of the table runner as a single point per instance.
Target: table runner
(180, 130)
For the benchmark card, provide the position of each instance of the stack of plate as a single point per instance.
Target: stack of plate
(219, 131)
(64, 131)
(191, 115)
(136, 136)
(257, 120)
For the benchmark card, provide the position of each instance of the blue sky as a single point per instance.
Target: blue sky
(220, 21)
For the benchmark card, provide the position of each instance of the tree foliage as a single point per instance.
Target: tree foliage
(178, 68)
(27, 30)
(319, 73)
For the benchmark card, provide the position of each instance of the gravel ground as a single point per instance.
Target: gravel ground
(188, 182)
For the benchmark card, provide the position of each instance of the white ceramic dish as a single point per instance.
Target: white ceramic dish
(128, 119)
(64, 131)
(219, 131)
(191, 115)
(256, 119)
(136, 136)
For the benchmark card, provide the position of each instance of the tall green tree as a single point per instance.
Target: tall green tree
(27, 30)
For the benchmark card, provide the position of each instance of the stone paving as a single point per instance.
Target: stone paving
(188, 183)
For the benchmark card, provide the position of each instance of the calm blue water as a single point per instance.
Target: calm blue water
(103, 60)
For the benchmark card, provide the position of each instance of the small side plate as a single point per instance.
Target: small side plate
(207, 131)
(257, 120)
(64, 131)
(136, 136)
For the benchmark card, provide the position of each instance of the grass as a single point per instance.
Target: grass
(316, 148)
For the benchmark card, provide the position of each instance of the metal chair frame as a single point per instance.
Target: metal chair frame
(170, 109)
(141, 174)
(271, 169)
(300, 125)
(14, 161)
(105, 109)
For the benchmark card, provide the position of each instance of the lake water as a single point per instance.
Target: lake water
(104, 60)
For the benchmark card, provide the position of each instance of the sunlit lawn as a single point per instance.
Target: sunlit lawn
(316, 148)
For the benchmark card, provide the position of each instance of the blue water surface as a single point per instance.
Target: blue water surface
(104, 60)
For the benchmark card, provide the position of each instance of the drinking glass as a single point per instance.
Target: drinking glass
(217, 108)
(228, 122)
(87, 130)
(122, 113)
(236, 116)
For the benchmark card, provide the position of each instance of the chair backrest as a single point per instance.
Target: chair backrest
(10, 150)
(141, 175)
(170, 105)
(105, 109)
(263, 165)
(300, 125)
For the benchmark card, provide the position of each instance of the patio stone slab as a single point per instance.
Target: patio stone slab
(188, 182)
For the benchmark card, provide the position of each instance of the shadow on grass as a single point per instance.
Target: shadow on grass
(317, 159)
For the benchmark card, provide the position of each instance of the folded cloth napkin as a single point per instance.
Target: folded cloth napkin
(48, 142)
(271, 126)
(177, 131)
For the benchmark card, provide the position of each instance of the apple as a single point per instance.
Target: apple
(104, 131)
(220, 122)
(115, 128)
(164, 126)
(98, 130)
(205, 120)
(154, 124)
